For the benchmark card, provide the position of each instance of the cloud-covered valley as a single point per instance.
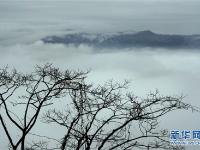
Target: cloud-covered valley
(174, 70)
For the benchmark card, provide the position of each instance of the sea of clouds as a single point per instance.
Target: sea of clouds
(172, 72)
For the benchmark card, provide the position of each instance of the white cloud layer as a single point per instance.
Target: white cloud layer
(173, 72)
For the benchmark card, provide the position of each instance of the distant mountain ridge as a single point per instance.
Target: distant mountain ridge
(127, 40)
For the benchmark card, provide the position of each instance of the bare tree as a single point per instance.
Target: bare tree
(37, 91)
(108, 118)
(96, 117)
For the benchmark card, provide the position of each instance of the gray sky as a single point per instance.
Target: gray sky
(24, 23)
(162, 16)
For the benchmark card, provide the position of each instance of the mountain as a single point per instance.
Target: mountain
(127, 40)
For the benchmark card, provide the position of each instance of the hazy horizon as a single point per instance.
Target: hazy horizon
(173, 72)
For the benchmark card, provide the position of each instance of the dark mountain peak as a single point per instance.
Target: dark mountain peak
(144, 38)
(146, 32)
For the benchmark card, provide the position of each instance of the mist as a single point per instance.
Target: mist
(172, 72)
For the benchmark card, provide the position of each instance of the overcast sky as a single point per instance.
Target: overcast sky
(24, 23)
(41, 17)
